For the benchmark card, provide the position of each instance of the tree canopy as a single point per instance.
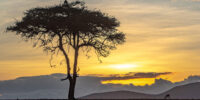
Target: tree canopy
(73, 24)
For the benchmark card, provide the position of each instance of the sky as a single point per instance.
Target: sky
(162, 39)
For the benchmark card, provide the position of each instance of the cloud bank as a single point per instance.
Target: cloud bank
(132, 75)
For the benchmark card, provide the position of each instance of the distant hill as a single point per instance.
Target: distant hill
(118, 95)
(189, 91)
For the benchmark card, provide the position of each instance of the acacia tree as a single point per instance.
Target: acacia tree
(71, 25)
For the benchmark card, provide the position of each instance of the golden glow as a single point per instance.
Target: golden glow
(123, 66)
(136, 82)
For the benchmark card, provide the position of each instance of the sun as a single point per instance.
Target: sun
(124, 66)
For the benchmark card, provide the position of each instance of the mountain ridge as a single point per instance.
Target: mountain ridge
(188, 91)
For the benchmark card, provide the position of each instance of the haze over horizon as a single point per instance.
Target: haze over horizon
(162, 42)
(50, 86)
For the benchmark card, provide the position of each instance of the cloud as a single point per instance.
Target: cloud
(133, 75)
(150, 75)
(50, 86)
(192, 5)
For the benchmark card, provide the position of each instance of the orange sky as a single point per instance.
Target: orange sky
(162, 36)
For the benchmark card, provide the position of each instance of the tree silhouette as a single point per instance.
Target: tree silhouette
(71, 25)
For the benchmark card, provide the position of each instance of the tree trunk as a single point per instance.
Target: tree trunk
(72, 81)
(71, 90)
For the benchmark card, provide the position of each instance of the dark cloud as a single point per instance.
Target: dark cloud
(94, 1)
(150, 75)
(133, 75)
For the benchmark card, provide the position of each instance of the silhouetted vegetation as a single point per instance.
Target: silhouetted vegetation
(70, 25)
